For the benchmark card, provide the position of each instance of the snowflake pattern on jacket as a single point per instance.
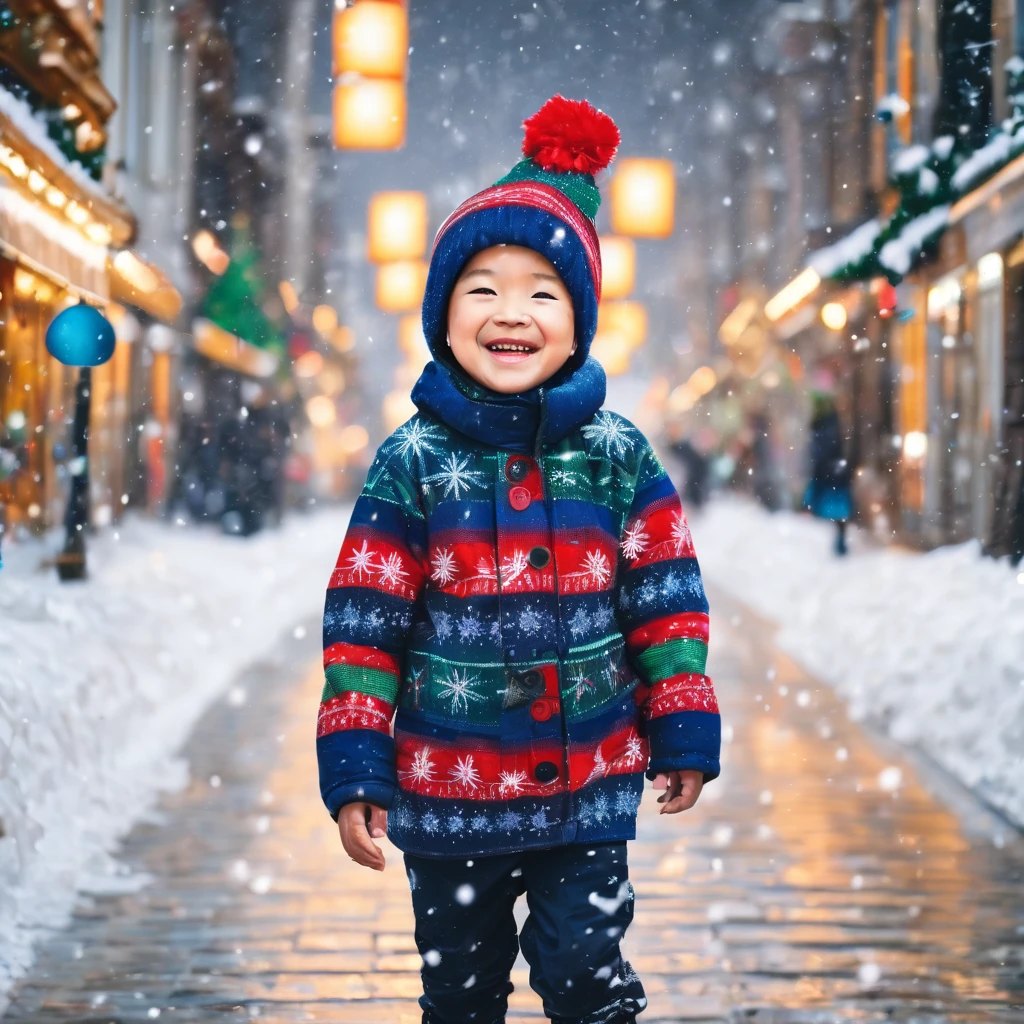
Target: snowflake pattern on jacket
(535, 629)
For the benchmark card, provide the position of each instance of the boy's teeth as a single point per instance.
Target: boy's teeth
(510, 348)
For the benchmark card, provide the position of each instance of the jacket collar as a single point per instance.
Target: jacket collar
(518, 423)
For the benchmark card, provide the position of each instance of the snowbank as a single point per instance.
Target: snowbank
(101, 682)
(930, 646)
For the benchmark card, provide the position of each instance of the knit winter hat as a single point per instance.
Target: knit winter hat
(548, 203)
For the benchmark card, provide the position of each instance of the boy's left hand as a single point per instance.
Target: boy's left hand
(682, 791)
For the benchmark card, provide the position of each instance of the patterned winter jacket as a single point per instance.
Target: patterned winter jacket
(518, 591)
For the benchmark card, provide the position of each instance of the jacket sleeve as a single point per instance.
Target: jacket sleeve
(367, 614)
(663, 613)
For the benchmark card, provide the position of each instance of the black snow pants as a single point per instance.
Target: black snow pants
(580, 902)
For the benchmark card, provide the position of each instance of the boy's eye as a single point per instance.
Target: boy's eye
(543, 295)
(483, 290)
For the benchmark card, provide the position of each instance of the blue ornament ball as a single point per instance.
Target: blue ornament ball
(80, 336)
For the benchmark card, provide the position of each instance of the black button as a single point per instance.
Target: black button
(539, 557)
(517, 470)
(546, 771)
(531, 679)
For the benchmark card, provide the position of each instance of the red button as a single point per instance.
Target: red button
(519, 498)
(541, 710)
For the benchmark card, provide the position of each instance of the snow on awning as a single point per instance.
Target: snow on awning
(899, 253)
(849, 250)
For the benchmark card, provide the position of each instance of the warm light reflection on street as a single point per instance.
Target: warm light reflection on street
(818, 880)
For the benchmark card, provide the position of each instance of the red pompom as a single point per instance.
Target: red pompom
(570, 135)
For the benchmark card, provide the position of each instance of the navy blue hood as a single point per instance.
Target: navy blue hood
(518, 423)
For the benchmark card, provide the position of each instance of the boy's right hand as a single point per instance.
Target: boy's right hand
(356, 824)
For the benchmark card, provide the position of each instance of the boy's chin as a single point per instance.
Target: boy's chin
(513, 382)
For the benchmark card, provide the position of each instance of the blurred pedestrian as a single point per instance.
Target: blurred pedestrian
(696, 473)
(828, 494)
(446, 602)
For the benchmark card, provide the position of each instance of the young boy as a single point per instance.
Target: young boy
(518, 580)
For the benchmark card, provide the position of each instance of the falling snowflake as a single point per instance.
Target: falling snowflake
(422, 769)
(511, 782)
(456, 477)
(634, 542)
(414, 438)
(610, 433)
(514, 566)
(443, 566)
(361, 561)
(430, 823)
(634, 752)
(531, 621)
(464, 773)
(443, 624)
(579, 623)
(681, 534)
(458, 689)
(509, 821)
(391, 571)
(470, 628)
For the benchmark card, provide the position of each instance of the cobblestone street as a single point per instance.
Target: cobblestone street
(825, 877)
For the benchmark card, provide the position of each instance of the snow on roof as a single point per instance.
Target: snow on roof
(34, 129)
(993, 153)
(848, 250)
(898, 253)
(910, 159)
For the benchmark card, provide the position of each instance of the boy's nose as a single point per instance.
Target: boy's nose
(512, 318)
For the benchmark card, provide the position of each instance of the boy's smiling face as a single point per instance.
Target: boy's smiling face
(510, 319)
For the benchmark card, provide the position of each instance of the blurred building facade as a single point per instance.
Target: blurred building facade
(134, 175)
(878, 251)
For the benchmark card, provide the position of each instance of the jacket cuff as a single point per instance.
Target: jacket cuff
(686, 740)
(377, 793)
(687, 762)
(356, 764)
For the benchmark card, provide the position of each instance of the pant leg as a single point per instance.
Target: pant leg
(466, 935)
(581, 903)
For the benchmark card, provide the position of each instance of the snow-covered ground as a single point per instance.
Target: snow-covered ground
(930, 646)
(101, 682)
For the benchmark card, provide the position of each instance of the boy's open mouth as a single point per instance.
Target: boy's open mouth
(508, 350)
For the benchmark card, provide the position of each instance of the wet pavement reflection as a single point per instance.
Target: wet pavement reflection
(826, 877)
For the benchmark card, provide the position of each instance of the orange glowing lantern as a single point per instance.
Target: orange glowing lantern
(400, 285)
(643, 198)
(618, 267)
(371, 38)
(369, 113)
(397, 226)
(611, 349)
(627, 319)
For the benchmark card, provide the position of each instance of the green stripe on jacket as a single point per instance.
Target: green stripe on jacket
(673, 658)
(374, 681)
